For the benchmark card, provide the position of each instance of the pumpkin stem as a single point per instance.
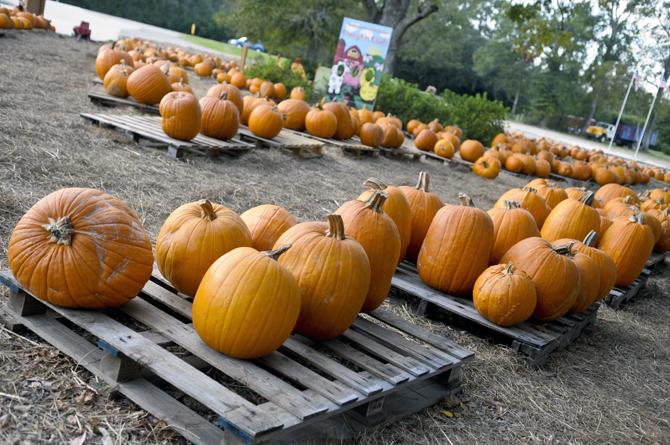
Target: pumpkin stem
(374, 184)
(529, 189)
(465, 200)
(587, 198)
(512, 204)
(509, 269)
(565, 249)
(207, 210)
(336, 229)
(223, 95)
(61, 230)
(423, 182)
(376, 202)
(276, 253)
(591, 238)
(638, 218)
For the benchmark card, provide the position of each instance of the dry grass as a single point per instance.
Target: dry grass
(611, 386)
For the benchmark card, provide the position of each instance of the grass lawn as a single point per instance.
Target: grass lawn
(225, 48)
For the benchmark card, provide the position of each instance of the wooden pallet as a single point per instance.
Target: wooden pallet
(656, 260)
(535, 340)
(288, 140)
(619, 296)
(98, 95)
(351, 146)
(381, 369)
(147, 131)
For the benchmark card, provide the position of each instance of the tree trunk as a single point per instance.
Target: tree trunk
(646, 137)
(516, 101)
(592, 112)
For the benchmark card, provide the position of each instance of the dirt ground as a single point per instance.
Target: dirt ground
(611, 386)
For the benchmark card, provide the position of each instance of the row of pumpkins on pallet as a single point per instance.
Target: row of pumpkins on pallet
(257, 277)
(16, 18)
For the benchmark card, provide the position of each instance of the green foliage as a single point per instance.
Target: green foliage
(478, 117)
(274, 71)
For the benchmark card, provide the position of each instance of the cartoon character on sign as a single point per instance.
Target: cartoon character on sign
(371, 75)
(354, 60)
(338, 71)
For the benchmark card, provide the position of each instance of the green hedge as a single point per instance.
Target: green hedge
(478, 117)
(275, 72)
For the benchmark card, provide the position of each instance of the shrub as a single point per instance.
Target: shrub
(276, 71)
(478, 117)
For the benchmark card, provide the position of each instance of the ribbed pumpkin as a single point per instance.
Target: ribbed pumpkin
(471, 150)
(193, 237)
(576, 192)
(108, 57)
(265, 121)
(247, 304)
(553, 272)
(654, 224)
(180, 115)
(297, 93)
(589, 279)
(457, 248)
(345, 125)
(266, 223)
(572, 219)
(333, 274)
(426, 140)
(504, 295)
(181, 86)
(116, 79)
(444, 148)
(423, 205)
(511, 224)
(552, 194)
(81, 248)
(395, 206)
(249, 104)
(611, 191)
(604, 262)
(620, 207)
(660, 193)
(528, 199)
(232, 93)
(321, 123)
(371, 134)
(629, 242)
(148, 85)
(294, 111)
(220, 118)
(663, 243)
(393, 136)
(367, 223)
(5, 21)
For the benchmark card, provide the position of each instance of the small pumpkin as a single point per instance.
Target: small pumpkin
(181, 86)
(514, 164)
(98, 254)
(629, 242)
(266, 223)
(295, 112)
(180, 115)
(371, 134)
(393, 136)
(321, 123)
(610, 191)
(444, 148)
(203, 69)
(542, 168)
(455, 230)
(265, 121)
(280, 90)
(555, 275)
(576, 192)
(108, 57)
(333, 274)
(426, 140)
(249, 104)
(511, 224)
(116, 79)
(423, 206)
(572, 219)
(298, 93)
(552, 194)
(193, 237)
(504, 295)
(238, 79)
(148, 85)
(471, 150)
(486, 167)
(243, 290)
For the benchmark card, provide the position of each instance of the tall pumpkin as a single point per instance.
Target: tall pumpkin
(629, 242)
(247, 304)
(116, 79)
(193, 237)
(423, 205)
(528, 199)
(108, 57)
(148, 85)
(266, 223)
(367, 223)
(232, 93)
(553, 272)
(457, 248)
(572, 219)
(395, 206)
(333, 274)
(81, 248)
(345, 124)
(504, 295)
(511, 224)
(180, 115)
(220, 117)
(589, 279)
(605, 263)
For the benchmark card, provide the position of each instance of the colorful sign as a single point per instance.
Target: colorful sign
(359, 62)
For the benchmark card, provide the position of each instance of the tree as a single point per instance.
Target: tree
(394, 13)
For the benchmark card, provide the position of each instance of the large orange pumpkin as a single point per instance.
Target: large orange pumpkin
(528, 199)
(604, 262)
(108, 57)
(148, 85)
(371, 134)
(367, 223)
(393, 136)
(116, 79)
(610, 191)
(589, 279)
(333, 274)
(295, 112)
(81, 248)
(193, 237)
(457, 248)
(247, 304)
(220, 117)
(180, 115)
(471, 150)
(572, 219)
(553, 272)
(629, 242)
(423, 205)
(321, 123)
(426, 140)
(552, 194)
(395, 206)
(504, 295)
(511, 224)
(265, 121)
(232, 93)
(266, 223)
(345, 124)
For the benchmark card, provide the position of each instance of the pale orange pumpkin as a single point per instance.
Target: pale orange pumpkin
(266, 223)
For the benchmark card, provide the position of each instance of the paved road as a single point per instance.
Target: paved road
(568, 139)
